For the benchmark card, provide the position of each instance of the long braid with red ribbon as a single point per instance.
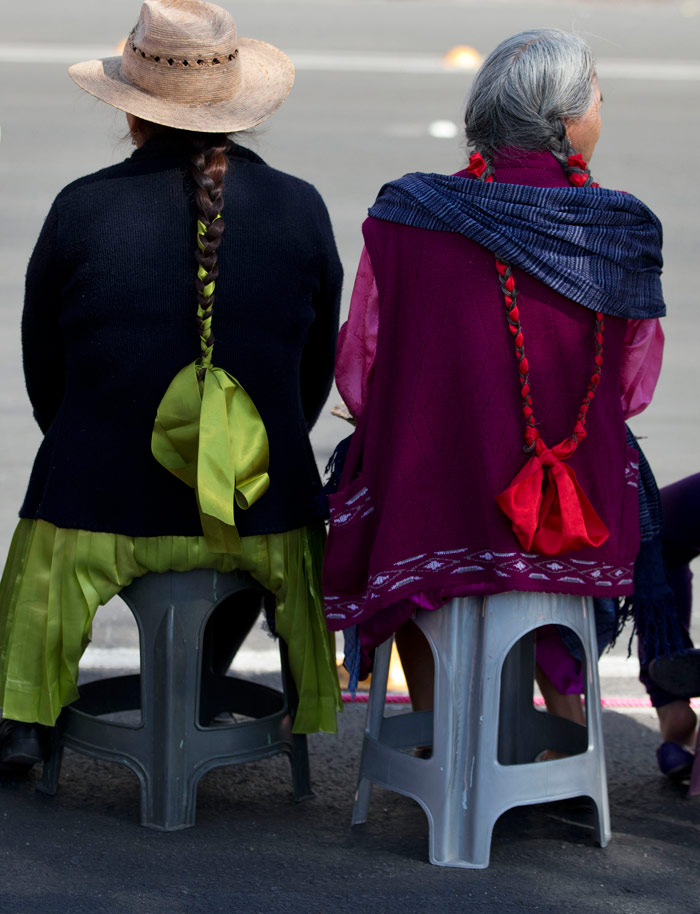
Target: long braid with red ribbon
(548, 509)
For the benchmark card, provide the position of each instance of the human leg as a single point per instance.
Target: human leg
(289, 566)
(53, 583)
(418, 665)
(48, 598)
(562, 704)
(681, 544)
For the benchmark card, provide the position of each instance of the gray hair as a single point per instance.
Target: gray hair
(526, 88)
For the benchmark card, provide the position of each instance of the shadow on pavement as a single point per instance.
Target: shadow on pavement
(254, 850)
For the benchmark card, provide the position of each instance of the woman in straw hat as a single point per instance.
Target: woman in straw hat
(503, 326)
(135, 399)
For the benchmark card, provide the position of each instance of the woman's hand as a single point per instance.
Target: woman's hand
(341, 411)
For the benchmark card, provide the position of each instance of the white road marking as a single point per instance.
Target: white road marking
(610, 667)
(52, 53)
(268, 661)
(443, 130)
(127, 658)
(356, 62)
(678, 70)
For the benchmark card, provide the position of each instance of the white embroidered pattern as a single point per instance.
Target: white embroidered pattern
(355, 508)
(481, 565)
(421, 570)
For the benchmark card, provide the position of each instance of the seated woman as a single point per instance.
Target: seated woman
(135, 399)
(671, 680)
(503, 326)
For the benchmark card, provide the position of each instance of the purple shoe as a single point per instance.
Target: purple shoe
(674, 761)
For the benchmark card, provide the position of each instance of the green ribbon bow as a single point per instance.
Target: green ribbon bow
(209, 434)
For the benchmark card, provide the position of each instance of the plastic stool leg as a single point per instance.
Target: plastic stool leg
(299, 754)
(465, 736)
(168, 795)
(594, 721)
(52, 766)
(299, 760)
(373, 726)
(360, 808)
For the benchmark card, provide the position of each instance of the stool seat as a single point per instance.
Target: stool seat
(178, 696)
(485, 731)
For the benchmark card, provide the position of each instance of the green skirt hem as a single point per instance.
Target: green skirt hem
(55, 580)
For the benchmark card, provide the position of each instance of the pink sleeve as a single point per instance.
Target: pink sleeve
(357, 341)
(641, 364)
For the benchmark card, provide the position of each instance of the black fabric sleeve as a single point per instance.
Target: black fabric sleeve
(318, 357)
(42, 347)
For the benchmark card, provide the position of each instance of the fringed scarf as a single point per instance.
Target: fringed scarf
(600, 248)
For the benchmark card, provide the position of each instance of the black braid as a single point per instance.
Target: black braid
(208, 166)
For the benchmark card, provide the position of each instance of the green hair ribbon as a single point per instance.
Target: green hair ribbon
(209, 434)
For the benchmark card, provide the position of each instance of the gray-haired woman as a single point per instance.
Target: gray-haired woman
(453, 359)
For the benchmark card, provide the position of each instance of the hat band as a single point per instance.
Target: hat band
(191, 81)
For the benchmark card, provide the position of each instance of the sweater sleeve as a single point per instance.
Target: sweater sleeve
(357, 343)
(42, 346)
(318, 357)
(641, 365)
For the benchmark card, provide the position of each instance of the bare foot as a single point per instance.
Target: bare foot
(549, 755)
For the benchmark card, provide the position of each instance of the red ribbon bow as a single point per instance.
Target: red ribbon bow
(548, 509)
(577, 161)
(477, 166)
(579, 178)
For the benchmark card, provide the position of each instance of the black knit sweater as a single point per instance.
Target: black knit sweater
(110, 318)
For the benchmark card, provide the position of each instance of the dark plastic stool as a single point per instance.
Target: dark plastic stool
(178, 693)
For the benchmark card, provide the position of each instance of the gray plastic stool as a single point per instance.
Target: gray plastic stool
(482, 761)
(170, 749)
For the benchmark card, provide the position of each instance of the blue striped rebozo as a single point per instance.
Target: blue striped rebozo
(600, 248)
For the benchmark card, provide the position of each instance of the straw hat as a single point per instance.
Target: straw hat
(183, 65)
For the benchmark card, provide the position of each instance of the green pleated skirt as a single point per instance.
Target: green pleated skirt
(55, 579)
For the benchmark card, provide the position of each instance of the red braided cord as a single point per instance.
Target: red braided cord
(577, 176)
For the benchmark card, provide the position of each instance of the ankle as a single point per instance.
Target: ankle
(677, 722)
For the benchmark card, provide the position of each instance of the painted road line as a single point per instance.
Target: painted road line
(356, 62)
(610, 704)
(268, 661)
(52, 53)
(127, 658)
(678, 70)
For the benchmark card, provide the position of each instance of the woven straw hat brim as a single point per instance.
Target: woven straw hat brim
(267, 78)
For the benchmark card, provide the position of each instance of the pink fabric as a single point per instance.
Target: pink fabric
(357, 345)
(641, 364)
(563, 671)
(357, 341)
